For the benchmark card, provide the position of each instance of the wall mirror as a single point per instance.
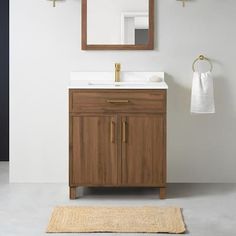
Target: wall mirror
(117, 24)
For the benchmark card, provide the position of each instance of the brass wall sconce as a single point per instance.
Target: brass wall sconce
(183, 2)
(54, 3)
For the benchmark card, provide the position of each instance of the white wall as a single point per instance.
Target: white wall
(45, 47)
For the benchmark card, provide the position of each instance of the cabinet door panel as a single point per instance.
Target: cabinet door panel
(94, 152)
(143, 150)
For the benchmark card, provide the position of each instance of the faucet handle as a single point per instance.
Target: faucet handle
(117, 66)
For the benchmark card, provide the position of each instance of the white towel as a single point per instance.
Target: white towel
(202, 100)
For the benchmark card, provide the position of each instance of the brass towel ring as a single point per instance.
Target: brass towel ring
(201, 58)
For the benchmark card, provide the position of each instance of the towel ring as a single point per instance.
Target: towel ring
(201, 58)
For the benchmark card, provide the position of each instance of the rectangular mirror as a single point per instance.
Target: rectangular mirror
(117, 24)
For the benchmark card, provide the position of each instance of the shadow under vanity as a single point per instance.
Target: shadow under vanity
(117, 131)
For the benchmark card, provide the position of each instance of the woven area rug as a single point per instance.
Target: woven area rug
(116, 219)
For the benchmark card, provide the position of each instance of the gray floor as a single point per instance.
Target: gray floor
(209, 209)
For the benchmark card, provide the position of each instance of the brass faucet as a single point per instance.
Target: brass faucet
(117, 72)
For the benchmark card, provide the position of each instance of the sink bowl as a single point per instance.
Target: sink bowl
(119, 84)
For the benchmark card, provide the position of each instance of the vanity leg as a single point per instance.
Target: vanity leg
(162, 193)
(73, 194)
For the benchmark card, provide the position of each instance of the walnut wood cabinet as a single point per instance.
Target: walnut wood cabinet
(117, 138)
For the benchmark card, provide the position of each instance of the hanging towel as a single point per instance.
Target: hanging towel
(202, 100)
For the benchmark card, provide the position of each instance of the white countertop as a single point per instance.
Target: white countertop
(105, 80)
(156, 85)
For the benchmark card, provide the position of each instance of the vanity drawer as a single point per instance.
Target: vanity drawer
(152, 101)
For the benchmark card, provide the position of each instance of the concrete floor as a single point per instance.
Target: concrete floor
(209, 209)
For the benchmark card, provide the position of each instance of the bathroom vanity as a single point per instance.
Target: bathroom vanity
(117, 135)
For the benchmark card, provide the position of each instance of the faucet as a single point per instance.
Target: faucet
(117, 72)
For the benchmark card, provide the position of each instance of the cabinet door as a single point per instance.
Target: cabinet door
(94, 150)
(143, 150)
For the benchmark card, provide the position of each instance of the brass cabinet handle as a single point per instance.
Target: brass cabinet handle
(117, 101)
(124, 131)
(112, 129)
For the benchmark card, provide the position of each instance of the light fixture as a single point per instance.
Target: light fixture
(183, 1)
(54, 3)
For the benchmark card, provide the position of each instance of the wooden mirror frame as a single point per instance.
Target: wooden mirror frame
(148, 46)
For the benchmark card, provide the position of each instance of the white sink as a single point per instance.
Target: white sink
(119, 84)
(105, 80)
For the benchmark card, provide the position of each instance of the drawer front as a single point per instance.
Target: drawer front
(153, 101)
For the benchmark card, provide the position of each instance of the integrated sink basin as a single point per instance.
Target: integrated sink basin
(105, 80)
(116, 84)
(122, 84)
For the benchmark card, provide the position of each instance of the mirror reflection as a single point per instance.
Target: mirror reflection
(117, 22)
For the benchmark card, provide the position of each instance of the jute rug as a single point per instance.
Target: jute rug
(116, 219)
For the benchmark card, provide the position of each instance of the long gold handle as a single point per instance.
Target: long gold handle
(112, 129)
(124, 131)
(117, 101)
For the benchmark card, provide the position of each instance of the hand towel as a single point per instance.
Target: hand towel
(202, 99)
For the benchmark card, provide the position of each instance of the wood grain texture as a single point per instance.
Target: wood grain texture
(162, 193)
(142, 153)
(117, 145)
(84, 25)
(152, 101)
(151, 31)
(94, 155)
(73, 194)
(148, 46)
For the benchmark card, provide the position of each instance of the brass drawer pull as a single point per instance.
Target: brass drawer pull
(124, 131)
(112, 131)
(117, 101)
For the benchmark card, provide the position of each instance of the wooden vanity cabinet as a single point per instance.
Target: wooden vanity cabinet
(117, 139)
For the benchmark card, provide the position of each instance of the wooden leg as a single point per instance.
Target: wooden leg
(73, 194)
(162, 193)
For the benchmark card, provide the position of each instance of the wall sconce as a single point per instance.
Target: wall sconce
(54, 3)
(183, 2)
